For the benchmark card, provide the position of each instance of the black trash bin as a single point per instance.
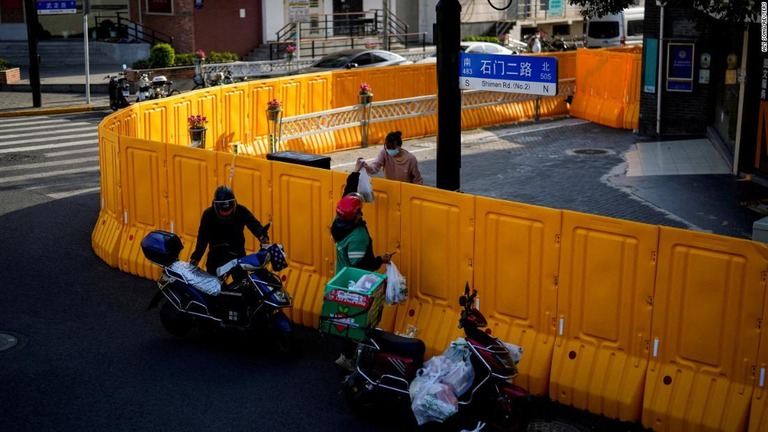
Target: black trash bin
(306, 159)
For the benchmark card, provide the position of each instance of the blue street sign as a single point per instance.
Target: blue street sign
(58, 7)
(508, 73)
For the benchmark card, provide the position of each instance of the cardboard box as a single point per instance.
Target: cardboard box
(348, 312)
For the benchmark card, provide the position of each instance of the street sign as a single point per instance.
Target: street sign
(58, 7)
(508, 73)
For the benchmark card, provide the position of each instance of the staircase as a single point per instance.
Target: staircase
(71, 52)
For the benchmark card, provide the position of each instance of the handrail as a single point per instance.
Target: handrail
(127, 28)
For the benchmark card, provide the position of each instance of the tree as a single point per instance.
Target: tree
(733, 10)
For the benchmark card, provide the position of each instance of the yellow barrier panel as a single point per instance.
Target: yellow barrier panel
(106, 235)
(436, 257)
(632, 92)
(301, 199)
(607, 273)
(144, 198)
(706, 331)
(234, 117)
(758, 414)
(611, 88)
(516, 263)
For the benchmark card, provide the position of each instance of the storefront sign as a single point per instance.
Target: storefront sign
(650, 57)
(680, 67)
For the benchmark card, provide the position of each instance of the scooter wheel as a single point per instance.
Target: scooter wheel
(360, 398)
(174, 321)
(283, 341)
(174, 93)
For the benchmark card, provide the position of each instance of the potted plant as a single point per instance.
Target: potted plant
(274, 107)
(197, 130)
(8, 73)
(289, 50)
(366, 94)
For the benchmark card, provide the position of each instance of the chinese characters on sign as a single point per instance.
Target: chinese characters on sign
(680, 67)
(508, 73)
(59, 7)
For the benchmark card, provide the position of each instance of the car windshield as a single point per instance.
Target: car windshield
(338, 60)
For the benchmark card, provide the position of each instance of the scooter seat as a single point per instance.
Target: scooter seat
(403, 346)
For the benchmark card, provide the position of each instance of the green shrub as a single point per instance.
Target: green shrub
(225, 57)
(140, 64)
(4, 64)
(492, 39)
(161, 55)
(184, 59)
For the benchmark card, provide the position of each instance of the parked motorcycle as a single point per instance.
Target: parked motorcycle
(144, 87)
(212, 79)
(162, 87)
(386, 364)
(119, 90)
(244, 295)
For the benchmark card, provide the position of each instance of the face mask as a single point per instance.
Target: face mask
(393, 152)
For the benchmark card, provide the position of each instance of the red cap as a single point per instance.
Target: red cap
(349, 207)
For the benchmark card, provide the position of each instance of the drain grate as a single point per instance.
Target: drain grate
(590, 151)
(7, 341)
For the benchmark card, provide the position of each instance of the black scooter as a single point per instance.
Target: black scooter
(119, 90)
(244, 295)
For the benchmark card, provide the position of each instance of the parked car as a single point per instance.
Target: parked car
(474, 48)
(356, 58)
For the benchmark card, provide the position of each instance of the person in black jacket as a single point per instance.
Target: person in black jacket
(221, 230)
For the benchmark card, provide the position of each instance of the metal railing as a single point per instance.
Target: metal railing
(125, 28)
(362, 115)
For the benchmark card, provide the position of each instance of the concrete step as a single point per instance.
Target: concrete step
(71, 52)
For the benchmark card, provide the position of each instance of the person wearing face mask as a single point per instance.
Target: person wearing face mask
(398, 163)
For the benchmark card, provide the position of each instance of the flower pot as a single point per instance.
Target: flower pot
(365, 98)
(273, 114)
(10, 76)
(197, 137)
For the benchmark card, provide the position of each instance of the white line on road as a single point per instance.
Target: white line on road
(47, 174)
(37, 127)
(72, 152)
(48, 146)
(68, 194)
(31, 120)
(62, 131)
(49, 164)
(27, 141)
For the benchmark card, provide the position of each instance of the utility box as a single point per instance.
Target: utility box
(760, 230)
(352, 303)
(298, 158)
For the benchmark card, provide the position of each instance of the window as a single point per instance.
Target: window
(564, 29)
(635, 28)
(603, 29)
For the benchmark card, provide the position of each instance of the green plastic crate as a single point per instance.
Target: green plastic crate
(349, 313)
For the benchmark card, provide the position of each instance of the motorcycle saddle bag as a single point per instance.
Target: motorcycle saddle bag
(161, 247)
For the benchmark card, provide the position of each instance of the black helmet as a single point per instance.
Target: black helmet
(224, 202)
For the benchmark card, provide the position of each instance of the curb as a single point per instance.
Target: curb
(50, 111)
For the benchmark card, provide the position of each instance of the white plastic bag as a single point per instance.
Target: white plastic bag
(431, 400)
(364, 187)
(397, 291)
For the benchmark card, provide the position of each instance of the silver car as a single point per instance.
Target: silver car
(356, 58)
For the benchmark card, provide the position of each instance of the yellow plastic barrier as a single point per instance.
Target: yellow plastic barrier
(436, 258)
(708, 306)
(758, 413)
(606, 279)
(515, 271)
(106, 234)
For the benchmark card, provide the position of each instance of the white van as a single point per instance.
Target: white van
(624, 28)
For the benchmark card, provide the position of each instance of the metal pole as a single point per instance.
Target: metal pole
(742, 85)
(385, 19)
(660, 69)
(448, 95)
(34, 61)
(87, 59)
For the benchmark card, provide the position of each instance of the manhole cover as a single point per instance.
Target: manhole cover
(7, 341)
(18, 158)
(589, 151)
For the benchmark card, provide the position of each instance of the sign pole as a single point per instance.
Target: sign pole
(448, 95)
(86, 11)
(34, 63)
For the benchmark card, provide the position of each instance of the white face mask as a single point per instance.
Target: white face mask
(393, 152)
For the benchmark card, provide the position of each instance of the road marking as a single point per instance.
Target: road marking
(32, 120)
(38, 126)
(47, 175)
(49, 164)
(48, 146)
(62, 131)
(27, 141)
(68, 194)
(72, 152)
